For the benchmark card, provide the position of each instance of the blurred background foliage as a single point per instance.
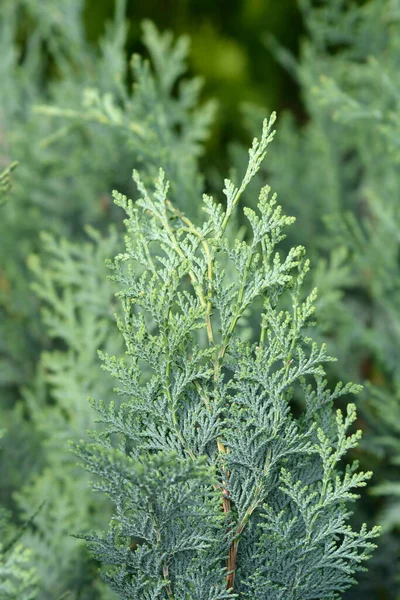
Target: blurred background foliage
(227, 50)
(70, 116)
(226, 46)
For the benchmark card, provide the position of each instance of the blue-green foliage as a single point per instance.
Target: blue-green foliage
(338, 173)
(362, 102)
(70, 117)
(159, 119)
(218, 488)
(76, 127)
(68, 279)
(350, 82)
(82, 145)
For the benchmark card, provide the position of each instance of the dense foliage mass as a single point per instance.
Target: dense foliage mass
(221, 389)
(98, 127)
(204, 460)
(349, 77)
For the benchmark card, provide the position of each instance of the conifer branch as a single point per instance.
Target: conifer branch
(221, 471)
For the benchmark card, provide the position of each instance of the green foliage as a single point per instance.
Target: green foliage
(5, 181)
(56, 130)
(339, 175)
(160, 125)
(218, 487)
(237, 335)
(18, 579)
(349, 78)
(74, 137)
(361, 102)
(68, 277)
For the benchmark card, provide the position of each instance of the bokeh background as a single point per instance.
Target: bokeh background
(227, 42)
(230, 48)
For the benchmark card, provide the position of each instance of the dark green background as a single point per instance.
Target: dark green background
(227, 49)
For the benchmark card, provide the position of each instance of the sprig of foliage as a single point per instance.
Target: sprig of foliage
(219, 489)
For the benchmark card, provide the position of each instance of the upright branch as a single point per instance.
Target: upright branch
(203, 458)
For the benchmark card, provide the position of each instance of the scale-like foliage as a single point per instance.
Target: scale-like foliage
(218, 486)
(350, 84)
(57, 132)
